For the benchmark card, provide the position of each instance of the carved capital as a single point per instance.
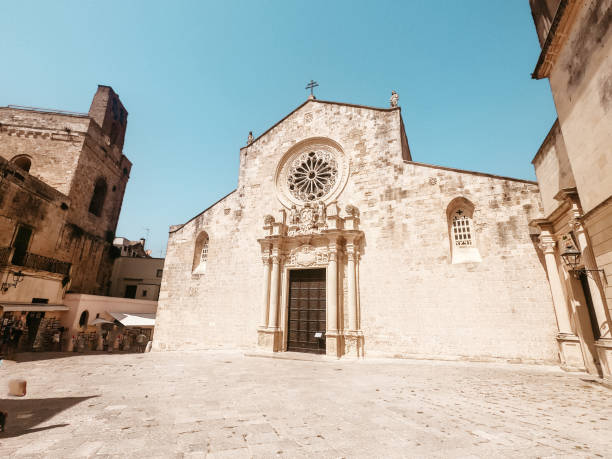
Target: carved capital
(547, 245)
(575, 224)
(276, 259)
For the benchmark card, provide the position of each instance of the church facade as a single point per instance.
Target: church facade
(336, 242)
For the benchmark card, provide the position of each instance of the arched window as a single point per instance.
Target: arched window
(22, 161)
(460, 214)
(98, 197)
(462, 229)
(84, 319)
(200, 254)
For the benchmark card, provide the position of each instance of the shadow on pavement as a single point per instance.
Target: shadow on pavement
(34, 356)
(25, 414)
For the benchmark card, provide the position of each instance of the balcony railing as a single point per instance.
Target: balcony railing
(33, 261)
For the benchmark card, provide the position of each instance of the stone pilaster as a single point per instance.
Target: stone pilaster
(594, 281)
(570, 349)
(266, 292)
(270, 337)
(333, 339)
(353, 337)
(603, 345)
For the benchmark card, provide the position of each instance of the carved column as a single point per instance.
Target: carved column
(266, 292)
(353, 337)
(274, 292)
(268, 335)
(571, 347)
(333, 338)
(332, 289)
(351, 293)
(547, 246)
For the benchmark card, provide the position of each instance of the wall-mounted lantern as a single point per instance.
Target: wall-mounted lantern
(571, 258)
(16, 277)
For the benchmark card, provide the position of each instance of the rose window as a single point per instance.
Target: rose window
(312, 175)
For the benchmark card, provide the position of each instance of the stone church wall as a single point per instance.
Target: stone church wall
(413, 301)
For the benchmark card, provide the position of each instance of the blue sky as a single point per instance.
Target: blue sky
(196, 76)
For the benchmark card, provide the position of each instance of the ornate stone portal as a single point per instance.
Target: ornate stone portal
(313, 235)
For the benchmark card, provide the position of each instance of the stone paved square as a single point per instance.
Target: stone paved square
(226, 404)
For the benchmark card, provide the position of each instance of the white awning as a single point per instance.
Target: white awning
(134, 319)
(35, 307)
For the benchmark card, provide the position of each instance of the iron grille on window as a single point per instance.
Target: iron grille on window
(204, 254)
(462, 230)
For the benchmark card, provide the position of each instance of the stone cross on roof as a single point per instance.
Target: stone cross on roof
(313, 84)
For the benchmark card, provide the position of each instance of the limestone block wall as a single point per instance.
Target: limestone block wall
(413, 300)
(53, 141)
(553, 169)
(581, 86)
(25, 200)
(599, 226)
(94, 163)
(64, 168)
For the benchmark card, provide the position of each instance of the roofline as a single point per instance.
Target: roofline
(557, 35)
(46, 110)
(464, 171)
(321, 102)
(546, 139)
(181, 226)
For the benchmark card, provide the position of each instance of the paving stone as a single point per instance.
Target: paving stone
(80, 406)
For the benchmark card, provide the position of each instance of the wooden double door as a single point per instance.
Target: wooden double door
(307, 311)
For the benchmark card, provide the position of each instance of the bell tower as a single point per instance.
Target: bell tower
(110, 114)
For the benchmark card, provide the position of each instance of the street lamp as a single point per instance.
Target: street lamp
(571, 258)
(16, 277)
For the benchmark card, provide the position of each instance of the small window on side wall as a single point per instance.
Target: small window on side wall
(24, 162)
(464, 248)
(200, 254)
(99, 196)
(84, 319)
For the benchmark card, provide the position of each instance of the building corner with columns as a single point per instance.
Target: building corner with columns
(574, 171)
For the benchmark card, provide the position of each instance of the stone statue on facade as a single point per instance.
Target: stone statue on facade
(250, 138)
(294, 218)
(321, 213)
(394, 99)
(351, 210)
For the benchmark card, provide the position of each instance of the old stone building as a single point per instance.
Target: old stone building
(574, 171)
(337, 242)
(136, 274)
(63, 176)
